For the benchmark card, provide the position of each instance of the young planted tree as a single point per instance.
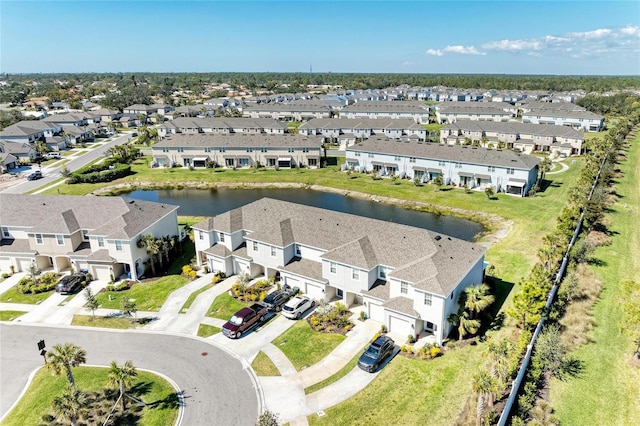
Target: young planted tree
(92, 303)
(477, 299)
(63, 357)
(463, 323)
(69, 405)
(123, 377)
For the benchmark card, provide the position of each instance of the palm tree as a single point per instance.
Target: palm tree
(464, 324)
(486, 386)
(477, 299)
(65, 356)
(69, 405)
(151, 245)
(122, 376)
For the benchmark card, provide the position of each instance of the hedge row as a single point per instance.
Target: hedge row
(100, 173)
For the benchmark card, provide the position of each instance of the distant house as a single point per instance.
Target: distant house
(584, 120)
(464, 166)
(237, 150)
(290, 111)
(408, 278)
(225, 125)
(525, 137)
(415, 111)
(19, 150)
(7, 161)
(346, 131)
(29, 131)
(148, 110)
(97, 234)
(450, 112)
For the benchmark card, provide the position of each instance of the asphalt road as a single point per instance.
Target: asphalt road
(51, 174)
(217, 389)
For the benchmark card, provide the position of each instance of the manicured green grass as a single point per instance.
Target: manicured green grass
(410, 391)
(263, 366)
(224, 306)
(149, 296)
(193, 296)
(12, 296)
(37, 400)
(101, 322)
(335, 377)
(188, 252)
(606, 390)
(206, 330)
(10, 315)
(304, 347)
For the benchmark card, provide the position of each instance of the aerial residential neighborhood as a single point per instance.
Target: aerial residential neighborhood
(319, 213)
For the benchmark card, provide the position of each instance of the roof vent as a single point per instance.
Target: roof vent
(449, 238)
(132, 201)
(437, 237)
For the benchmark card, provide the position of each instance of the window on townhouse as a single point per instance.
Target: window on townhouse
(305, 149)
(100, 242)
(180, 149)
(355, 274)
(273, 251)
(5, 232)
(412, 159)
(255, 246)
(332, 267)
(428, 299)
(396, 158)
(404, 287)
(442, 163)
(221, 149)
(85, 235)
(383, 272)
(297, 248)
(510, 171)
(221, 237)
(491, 169)
(263, 149)
(118, 245)
(291, 150)
(207, 149)
(249, 149)
(200, 235)
(312, 162)
(357, 154)
(39, 239)
(370, 155)
(60, 239)
(165, 149)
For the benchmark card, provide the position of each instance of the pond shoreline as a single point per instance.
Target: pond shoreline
(496, 227)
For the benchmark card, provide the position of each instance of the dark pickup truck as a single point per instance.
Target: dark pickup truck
(242, 320)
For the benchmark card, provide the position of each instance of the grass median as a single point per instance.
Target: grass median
(305, 347)
(149, 295)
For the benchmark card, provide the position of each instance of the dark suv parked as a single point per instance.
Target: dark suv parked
(376, 353)
(277, 298)
(70, 283)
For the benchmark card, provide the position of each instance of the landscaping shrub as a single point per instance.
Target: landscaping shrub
(331, 319)
(104, 172)
(189, 272)
(40, 284)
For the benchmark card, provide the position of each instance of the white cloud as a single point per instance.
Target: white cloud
(599, 33)
(631, 30)
(513, 45)
(461, 50)
(407, 63)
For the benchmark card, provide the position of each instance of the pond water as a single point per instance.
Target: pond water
(211, 202)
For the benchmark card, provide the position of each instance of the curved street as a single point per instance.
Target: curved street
(217, 388)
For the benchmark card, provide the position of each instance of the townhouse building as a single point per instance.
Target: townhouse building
(238, 150)
(346, 131)
(525, 137)
(415, 111)
(98, 234)
(408, 278)
(222, 125)
(301, 110)
(450, 112)
(584, 120)
(464, 166)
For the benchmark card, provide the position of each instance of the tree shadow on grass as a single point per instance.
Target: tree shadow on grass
(171, 401)
(570, 369)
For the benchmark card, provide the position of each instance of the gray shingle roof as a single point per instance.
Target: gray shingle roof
(361, 123)
(401, 304)
(304, 268)
(387, 106)
(359, 241)
(225, 123)
(237, 140)
(435, 151)
(111, 217)
(514, 127)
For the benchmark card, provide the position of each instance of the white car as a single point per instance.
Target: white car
(297, 306)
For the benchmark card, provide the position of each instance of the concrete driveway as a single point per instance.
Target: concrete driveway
(218, 388)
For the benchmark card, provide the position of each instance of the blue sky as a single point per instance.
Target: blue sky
(497, 37)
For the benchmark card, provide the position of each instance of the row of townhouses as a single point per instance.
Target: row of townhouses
(238, 150)
(525, 137)
(465, 166)
(98, 234)
(226, 125)
(406, 277)
(346, 131)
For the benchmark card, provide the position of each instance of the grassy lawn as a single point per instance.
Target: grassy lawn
(188, 252)
(334, 378)
(410, 391)
(149, 296)
(606, 391)
(224, 306)
(12, 296)
(192, 297)
(101, 322)
(10, 315)
(304, 347)
(37, 400)
(263, 366)
(206, 330)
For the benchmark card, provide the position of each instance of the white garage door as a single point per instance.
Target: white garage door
(376, 312)
(399, 326)
(314, 291)
(102, 273)
(241, 267)
(215, 265)
(292, 282)
(5, 264)
(23, 264)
